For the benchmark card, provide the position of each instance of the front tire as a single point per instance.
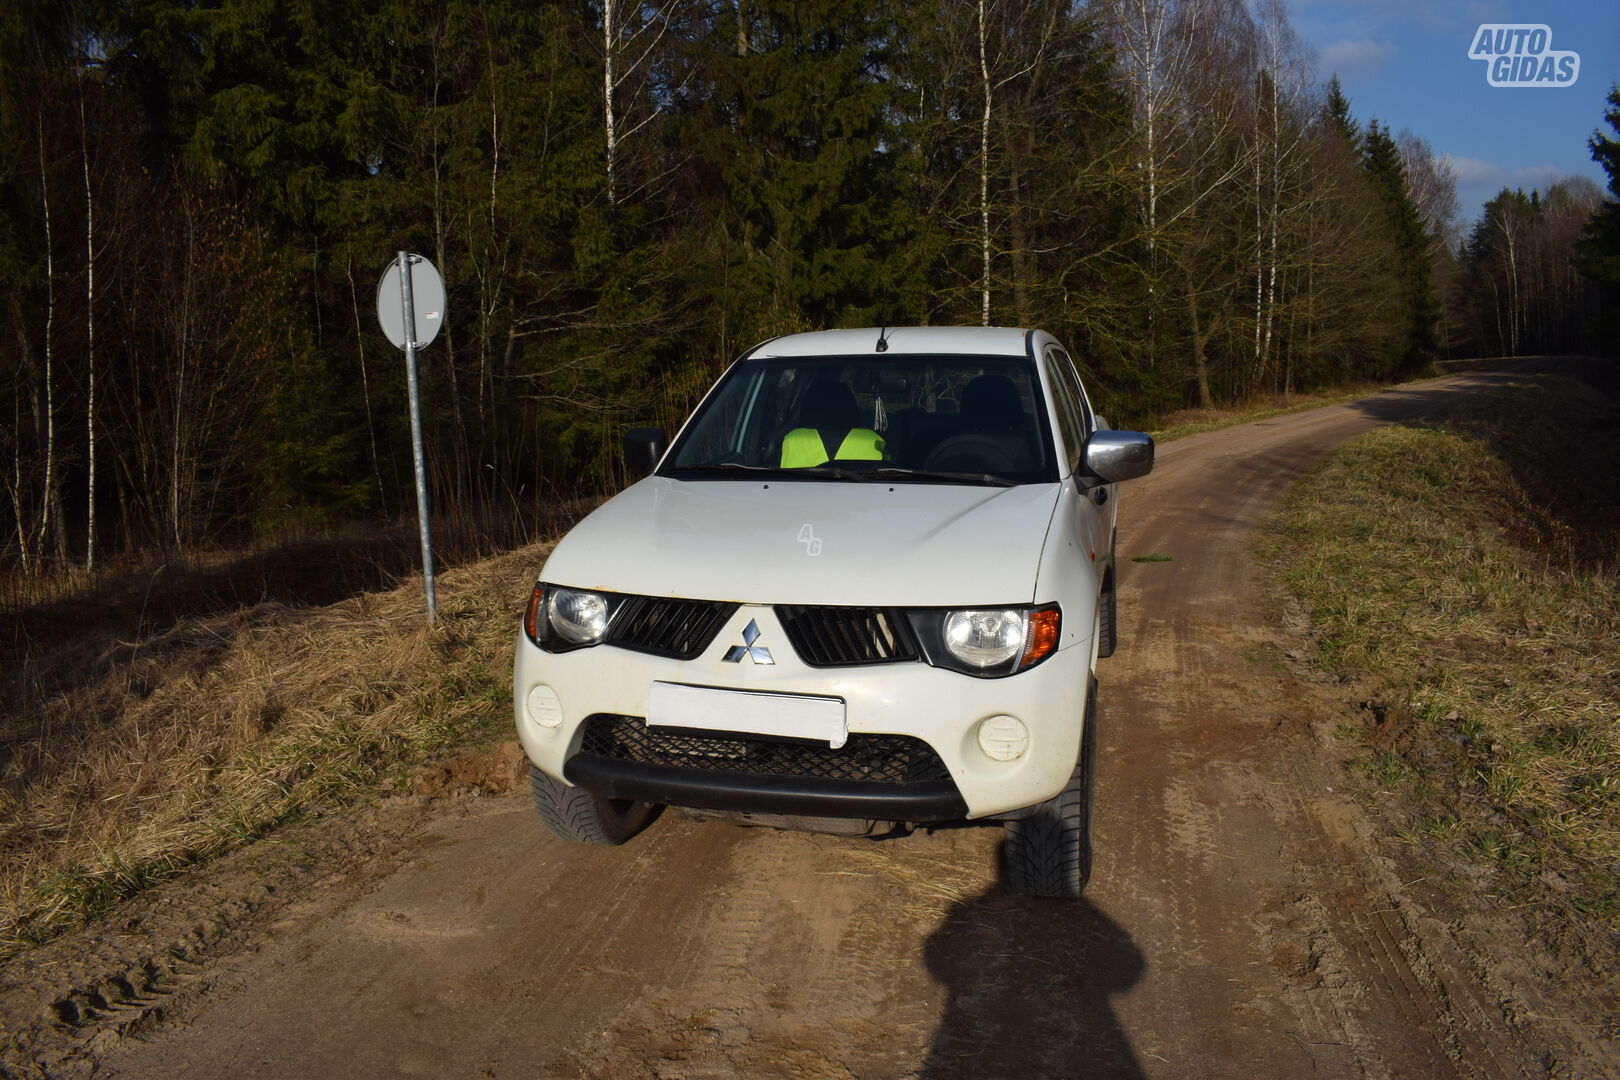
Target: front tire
(583, 817)
(1107, 618)
(1048, 852)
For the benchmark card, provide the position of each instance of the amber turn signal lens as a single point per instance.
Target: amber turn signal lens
(1043, 636)
(531, 617)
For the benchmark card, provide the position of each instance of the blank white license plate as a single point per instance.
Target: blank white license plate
(792, 715)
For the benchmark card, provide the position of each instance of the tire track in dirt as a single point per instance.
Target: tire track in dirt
(446, 967)
(796, 976)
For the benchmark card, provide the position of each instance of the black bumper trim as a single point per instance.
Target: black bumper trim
(702, 789)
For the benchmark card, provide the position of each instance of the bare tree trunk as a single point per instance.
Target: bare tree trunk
(1273, 205)
(1310, 313)
(1259, 276)
(1153, 238)
(1514, 322)
(1154, 60)
(1275, 30)
(1017, 234)
(182, 357)
(1293, 322)
(459, 443)
(487, 310)
(90, 340)
(489, 300)
(14, 482)
(48, 491)
(1496, 308)
(1200, 338)
(984, 176)
(609, 50)
(365, 391)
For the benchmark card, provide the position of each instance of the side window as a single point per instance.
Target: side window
(1070, 422)
(1070, 376)
(721, 430)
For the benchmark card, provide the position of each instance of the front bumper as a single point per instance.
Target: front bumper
(812, 796)
(942, 708)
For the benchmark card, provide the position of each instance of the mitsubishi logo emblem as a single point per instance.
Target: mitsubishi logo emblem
(759, 654)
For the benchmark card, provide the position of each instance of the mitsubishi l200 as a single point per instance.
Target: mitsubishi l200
(866, 587)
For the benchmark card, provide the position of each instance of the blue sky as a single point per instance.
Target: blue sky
(1406, 62)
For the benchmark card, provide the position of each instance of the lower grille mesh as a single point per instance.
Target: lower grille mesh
(890, 759)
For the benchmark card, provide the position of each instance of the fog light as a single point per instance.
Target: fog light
(544, 708)
(1003, 738)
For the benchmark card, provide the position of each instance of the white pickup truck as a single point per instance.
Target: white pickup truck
(865, 588)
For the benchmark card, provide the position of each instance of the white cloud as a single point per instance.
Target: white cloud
(1491, 11)
(1349, 59)
(1537, 176)
(1433, 14)
(1472, 170)
(1479, 181)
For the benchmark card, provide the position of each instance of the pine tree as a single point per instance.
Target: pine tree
(797, 133)
(1598, 253)
(1415, 305)
(1336, 110)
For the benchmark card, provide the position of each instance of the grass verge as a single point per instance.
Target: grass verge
(177, 746)
(1465, 569)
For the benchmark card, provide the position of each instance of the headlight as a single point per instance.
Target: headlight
(988, 642)
(578, 617)
(984, 639)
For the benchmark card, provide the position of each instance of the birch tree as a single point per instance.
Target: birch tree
(1155, 40)
(49, 502)
(1285, 86)
(89, 315)
(632, 33)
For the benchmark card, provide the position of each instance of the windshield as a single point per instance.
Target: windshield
(922, 418)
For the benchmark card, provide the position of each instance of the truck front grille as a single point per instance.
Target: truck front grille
(846, 636)
(877, 758)
(681, 629)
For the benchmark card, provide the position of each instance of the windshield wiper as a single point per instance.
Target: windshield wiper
(736, 468)
(939, 476)
(727, 466)
(815, 472)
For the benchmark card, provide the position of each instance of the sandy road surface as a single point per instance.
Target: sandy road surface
(1238, 923)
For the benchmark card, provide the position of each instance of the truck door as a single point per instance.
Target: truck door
(1093, 499)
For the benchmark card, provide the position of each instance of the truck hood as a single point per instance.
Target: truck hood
(794, 542)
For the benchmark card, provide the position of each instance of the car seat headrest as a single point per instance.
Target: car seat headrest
(992, 401)
(829, 404)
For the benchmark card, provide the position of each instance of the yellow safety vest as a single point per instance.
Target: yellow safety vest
(802, 448)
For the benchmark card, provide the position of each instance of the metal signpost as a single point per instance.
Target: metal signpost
(410, 285)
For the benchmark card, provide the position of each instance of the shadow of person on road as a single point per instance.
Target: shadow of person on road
(1027, 984)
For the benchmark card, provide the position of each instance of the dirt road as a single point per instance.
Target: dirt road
(1239, 923)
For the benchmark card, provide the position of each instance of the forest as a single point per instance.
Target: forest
(198, 198)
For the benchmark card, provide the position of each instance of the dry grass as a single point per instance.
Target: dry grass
(1469, 568)
(930, 884)
(171, 747)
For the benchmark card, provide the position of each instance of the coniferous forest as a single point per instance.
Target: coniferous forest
(198, 197)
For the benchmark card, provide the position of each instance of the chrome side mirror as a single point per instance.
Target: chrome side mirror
(1119, 455)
